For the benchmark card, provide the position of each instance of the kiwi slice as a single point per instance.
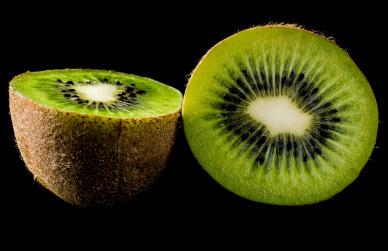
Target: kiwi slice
(93, 137)
(280, 115)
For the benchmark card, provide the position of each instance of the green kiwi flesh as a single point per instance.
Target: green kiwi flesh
(280, 115)
(93, 137)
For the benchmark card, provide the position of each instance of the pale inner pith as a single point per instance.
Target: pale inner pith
(99, 92)
(279, 115)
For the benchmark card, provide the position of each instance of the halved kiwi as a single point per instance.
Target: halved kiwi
(93, 137)
(280, 115)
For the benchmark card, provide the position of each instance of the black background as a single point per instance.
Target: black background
(165, 43)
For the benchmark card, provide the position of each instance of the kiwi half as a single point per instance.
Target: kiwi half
(280, 115)
(93, 137)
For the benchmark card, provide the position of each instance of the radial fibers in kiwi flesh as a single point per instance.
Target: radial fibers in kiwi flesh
(93, 137)
(280, 115)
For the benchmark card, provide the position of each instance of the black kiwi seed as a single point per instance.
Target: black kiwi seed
(262, 140)
(288, 146)
(296, 152)
(258, 132)
(279, 145)
(314, 144)
(71, 90)
(303, 86)
(277, 78)
(59, 81)
(310, 150)
(140, 92)
(300, 77)
(233, 90)
(336, 120)
(303, 93)
(240, 83)
(245, 72)
(129, 89)
(70, 82)
(118, 83)
(260, 159)
(67, 95)
(321, 139)
(238, 131)
(230, 98)
(315, 102)
(331, 112)
(133, 84)
(292, 76)
(229, 107)
(105, 80)
(252, 140)
(250, 78)
(284, 80)
(318, 151)
(327, 127)
(324, 134)
(230, 127)
(244, 136)
(132, 95)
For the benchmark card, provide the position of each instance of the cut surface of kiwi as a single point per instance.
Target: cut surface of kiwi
(93, 137)
(280, 115)
(104, 93)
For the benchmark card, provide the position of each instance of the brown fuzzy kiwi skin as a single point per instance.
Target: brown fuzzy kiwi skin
(91, 160)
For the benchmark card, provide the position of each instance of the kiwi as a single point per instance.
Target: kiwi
(93, 137)
(280, 115)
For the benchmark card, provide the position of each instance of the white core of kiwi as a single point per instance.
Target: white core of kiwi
(279, 115)
(99, 92)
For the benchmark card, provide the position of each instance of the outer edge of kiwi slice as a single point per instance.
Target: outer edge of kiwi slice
(232, 174)
(91, 160)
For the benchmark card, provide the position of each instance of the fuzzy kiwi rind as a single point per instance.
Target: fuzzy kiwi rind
(91, 160)
(280, 184)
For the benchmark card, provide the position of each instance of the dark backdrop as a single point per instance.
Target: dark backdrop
(166, 44)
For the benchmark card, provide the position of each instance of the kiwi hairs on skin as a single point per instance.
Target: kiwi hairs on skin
(280, 115)
(86, 153)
